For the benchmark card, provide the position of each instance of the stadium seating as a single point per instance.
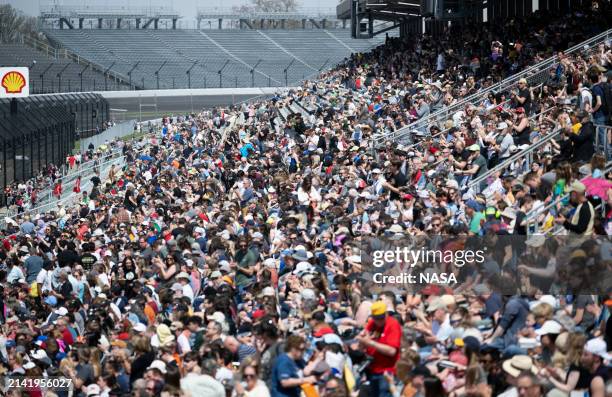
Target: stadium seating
(309, 50)
(20, 55)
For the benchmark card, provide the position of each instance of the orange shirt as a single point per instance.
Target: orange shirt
(150, 313)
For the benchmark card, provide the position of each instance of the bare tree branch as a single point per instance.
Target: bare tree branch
(275, 5)
(13, 23)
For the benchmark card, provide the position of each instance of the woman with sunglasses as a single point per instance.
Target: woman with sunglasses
(251, 385)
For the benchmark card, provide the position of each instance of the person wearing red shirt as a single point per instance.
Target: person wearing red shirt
(381, 339)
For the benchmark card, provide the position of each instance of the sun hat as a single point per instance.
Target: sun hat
(518, 364)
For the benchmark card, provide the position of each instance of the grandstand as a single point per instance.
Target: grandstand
(57, 71)
(256, 224)
(231, 54)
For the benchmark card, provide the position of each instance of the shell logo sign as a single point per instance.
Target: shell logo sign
(14, 82)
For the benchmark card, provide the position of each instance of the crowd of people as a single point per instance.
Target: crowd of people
(20, 196)
(229, 256)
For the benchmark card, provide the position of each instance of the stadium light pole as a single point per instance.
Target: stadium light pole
(285, 71)
(253, 73)
(59, 76)
(221, 73)
(105, 76)
(189, 74)
(130, 73)
(42, 76)
(157, 73)
(81, 74)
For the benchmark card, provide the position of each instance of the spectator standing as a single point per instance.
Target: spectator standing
(581, 222)
(381, 338)
(584, 140)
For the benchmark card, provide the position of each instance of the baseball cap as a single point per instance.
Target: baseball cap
(436, 304)
(93, 390)
(378, 309)
(452, 184)
(268, 291)
(62, 311)
(598, 347)
(549, 327)
(577, 186)
(159, 365)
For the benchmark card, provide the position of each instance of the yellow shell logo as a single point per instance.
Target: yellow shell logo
(13, 82)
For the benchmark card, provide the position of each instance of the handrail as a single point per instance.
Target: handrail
(45, 207)
(605, 143)
(512, 79)
(503, 85)
(46, 191)
(441, 133)
(56, 203)
(535, 213)
(518, 155)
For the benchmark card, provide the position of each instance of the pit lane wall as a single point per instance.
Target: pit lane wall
(151, 104)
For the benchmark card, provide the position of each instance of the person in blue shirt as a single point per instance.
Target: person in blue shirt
(246, 149)
(286, 372)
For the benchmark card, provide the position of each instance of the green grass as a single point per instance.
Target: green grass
(134, 136)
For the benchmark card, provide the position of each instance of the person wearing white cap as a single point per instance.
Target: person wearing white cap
(583, 219)
(503, 149)
(380, 183)
(548, 333)
(92, 390)
(593, 358)
(476, 165)
(183, 278)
